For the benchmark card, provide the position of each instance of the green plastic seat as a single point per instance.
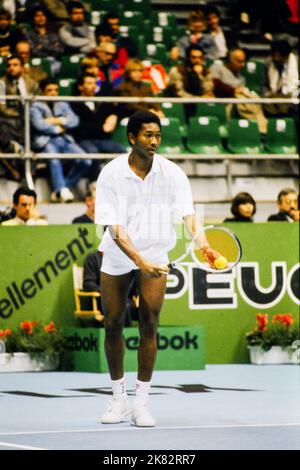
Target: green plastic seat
(120, 134)
(156, 53)
(44, 63)
(171, 136)
(70, 66)
(66, 86)
(203, 135)
(217, 110)
(282, 136)
(244, 137)
(138, 5)
(253, 73)
(159, 34)
(129, 31)
(133, 18)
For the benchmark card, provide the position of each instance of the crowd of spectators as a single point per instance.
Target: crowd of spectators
(205, 60)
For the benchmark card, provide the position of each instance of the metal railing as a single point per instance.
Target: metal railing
(28, 155)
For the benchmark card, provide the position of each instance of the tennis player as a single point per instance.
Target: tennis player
(136, 196)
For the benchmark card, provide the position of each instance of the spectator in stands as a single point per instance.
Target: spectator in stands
(126, 46)
(110, 73)
(191, 78)
(24, 203)
(96, 123)
(133, 85)
(77, 37)
(52, 122)
(8, 37)
(89, 216)
(11, 170)
(229, 82)
(287, 202)
(281, 79)
(224, 41)
(196, 36)
(35, 72)
(243, 208)
(12, 112)
(44, 42)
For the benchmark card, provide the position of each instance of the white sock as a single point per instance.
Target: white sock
(119, 388)
(142, 390)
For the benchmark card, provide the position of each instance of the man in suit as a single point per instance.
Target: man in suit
(287, 203)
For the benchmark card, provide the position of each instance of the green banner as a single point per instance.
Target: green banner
(179, 348)
(36, 282)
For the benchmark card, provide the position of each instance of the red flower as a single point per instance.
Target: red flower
(261, 321)
(5, 333)
(50, 327)
(28, 326)
(286, 320)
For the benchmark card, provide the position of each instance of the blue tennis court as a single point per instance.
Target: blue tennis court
(223, 407)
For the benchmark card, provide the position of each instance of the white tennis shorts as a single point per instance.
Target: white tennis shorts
(116, 264)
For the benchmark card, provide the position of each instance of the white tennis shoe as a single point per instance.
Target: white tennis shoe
(117, 411)
(141, 416)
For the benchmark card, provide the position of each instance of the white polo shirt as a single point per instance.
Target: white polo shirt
(147, 208)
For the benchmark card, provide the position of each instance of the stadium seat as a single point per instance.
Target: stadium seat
(66, 86)
(138, 5)
(253, 73)
(156, 53)
(133, 18)
(2, 66)
(171, 136)
(44, 63)
(244, 137)
(129, 31)
(70, 66)
(282, 136)
(174, 110)
(217, 110)
(79, 294)
(120, 134)
(203, 135)
(159, 34)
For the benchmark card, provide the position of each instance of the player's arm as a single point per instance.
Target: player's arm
(196, 231)
(121, 238)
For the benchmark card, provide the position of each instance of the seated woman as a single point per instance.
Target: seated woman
(133, 85)
(243, 208)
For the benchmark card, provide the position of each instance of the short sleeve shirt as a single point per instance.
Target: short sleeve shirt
(147, 208)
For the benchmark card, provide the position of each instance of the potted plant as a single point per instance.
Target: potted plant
(272, 342)
(33, 347)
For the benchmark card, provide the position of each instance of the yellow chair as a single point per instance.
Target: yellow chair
(79, 293)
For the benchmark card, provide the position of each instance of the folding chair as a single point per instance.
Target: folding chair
(79, 294)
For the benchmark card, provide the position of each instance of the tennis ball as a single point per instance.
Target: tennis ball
(220, 263)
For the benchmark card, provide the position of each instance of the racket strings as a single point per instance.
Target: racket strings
(221, 241)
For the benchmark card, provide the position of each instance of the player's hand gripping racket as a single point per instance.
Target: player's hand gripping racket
(222, 253)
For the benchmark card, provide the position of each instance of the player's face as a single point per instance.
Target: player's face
(147, 141)
(289, 203)
(246, 210)
(24, 207)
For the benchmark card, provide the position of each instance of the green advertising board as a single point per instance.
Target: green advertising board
(36, 282)
(179, 348)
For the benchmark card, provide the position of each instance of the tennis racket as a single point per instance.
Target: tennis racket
(225, 254)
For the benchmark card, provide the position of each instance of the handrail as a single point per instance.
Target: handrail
(166, 99)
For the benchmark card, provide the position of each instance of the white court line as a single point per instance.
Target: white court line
(161, 428)
(18, 446)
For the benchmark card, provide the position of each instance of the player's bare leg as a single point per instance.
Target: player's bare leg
(114, 293)
(151, 293)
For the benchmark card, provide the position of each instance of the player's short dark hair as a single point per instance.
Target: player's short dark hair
(139, 118)
(281, 46)
(47, 81)
(285, 192)
(242, 198)
(74, 4)
(23, 191)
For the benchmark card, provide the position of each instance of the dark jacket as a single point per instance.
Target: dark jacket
(280, 217)
(91, 122)
(91, 272)
(239, 218)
